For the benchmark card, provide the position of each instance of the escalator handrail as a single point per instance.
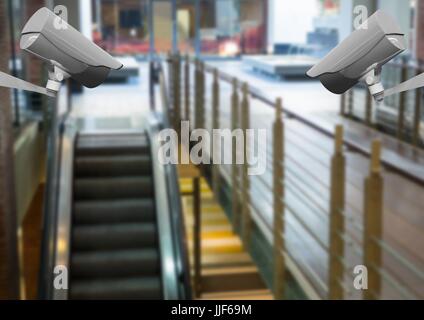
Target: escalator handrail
(58, 109)
(181, 263)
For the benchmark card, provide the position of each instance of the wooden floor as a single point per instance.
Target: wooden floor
(30, 239)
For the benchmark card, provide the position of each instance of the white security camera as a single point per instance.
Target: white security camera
(70, 54)
(361, 56)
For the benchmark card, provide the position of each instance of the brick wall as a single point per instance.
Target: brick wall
(33, 64)
(9, 271)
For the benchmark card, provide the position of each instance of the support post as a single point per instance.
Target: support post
(187, 89)
(368, 109)
(235, 113)
(215, 125)
(174, 26)
(350, 104)
(417, 115)
(202, 78)
(402, 104)
(151, 29)
(197, 27)
(200, 96)
(177, 92)
(197, 234)
(373, 211)
(245, 124)
(336, 230)
(171, 86)
(196, 92)
(343, 104)
(278, 193)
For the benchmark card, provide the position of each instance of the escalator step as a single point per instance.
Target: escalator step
(114, 233)
(113, 188)
(122, 263)
(113, 166)
(126, 288)
(112, 145)
(114, 236)
(119, 211)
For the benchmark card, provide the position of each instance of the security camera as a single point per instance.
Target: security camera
(69, 53)
(361, 57)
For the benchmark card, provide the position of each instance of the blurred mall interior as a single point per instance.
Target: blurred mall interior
(88, 210)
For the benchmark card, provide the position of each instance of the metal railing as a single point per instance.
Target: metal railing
(176, 279)
(400, 115)
(322, 205)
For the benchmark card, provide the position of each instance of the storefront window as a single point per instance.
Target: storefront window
(227, 27)
(232, 27)
(122, 27)
(329, 7)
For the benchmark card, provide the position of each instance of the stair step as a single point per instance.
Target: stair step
(220, 246)
(225, 260)
(118, 211)
(122, 263)
(117, 289)
(113, 166)
(113, 188)
(114, 236)
(263, 294)
(112, 145)
(231, 279)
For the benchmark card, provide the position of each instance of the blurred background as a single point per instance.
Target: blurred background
(268, 45)
(221, 30)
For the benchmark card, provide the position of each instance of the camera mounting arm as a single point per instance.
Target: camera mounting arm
(53, 85)
(411, 84)
(373, 81)
(8, 81)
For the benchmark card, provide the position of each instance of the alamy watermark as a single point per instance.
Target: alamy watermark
(61, 22)
(360, 281)
(216, 147)
(360, 17)
(61, 279)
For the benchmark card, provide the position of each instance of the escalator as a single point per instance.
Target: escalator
(112, 219)
(115, 250)
(113, 226)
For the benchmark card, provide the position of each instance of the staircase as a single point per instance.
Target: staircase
(228, 273)
(114, 247)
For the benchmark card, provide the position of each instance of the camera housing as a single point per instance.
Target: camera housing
(361, 56)
(52, 39)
